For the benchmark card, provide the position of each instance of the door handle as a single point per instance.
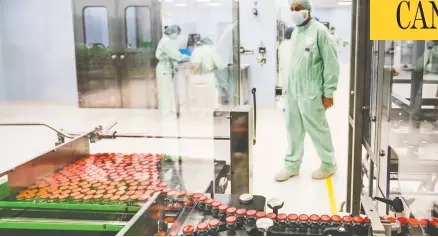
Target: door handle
(113, 56)
(122, 56)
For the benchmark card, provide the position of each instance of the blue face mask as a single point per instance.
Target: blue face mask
(299, 17)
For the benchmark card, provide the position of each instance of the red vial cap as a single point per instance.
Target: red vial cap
(161, 233)
(251, 213)
(173, 233)
(188, 229)
(260, 214)
(223, 208)
(358, 219)
(281, 217)
(424, 222)
(203, 198)
(413, 222)
(303, 218)
(336, 218)
(347, 219)
(216, 204)
(190, 195)
(434, 222)
(292, 217)
(366, 219)
(214, 223)
(241, 212)
(391, 219)
(271, 216)
(403, 220)
(202, 226)
(166, 190)
(197, 196)
(181, 194)
(172, 193)
(325, 218)
(314, 218)
(231, 210)
(231, 220)
(208, 201)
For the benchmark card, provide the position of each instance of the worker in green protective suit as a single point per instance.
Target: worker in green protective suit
(168, 54)
(312, 80)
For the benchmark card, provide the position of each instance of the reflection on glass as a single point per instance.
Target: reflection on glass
(413, 133)
(96, 27)
(138, 27)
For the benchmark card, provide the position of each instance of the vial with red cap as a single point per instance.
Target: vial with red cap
(160, 233)
(366, 223)
(171, 197)
(273, 217)
(215, 208)
(335, 221)
(202, 229)
(433, 230)
(201, 202)
(213, 227)
(324, 222)
(282, 221)
(260, 215)
(424, 223)
(414, 227)
(231, 211)
(404, 225)
(189, 230)
(240, 214)
(250, 217)
(303, 224)
(292, 221)
(314, 224)
(222, 215)
(188, 200)
(348, 221)
(231, 225)
(358, 227)
(208, 206)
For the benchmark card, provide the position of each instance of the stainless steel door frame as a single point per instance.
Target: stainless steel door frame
(137, 64)
(96, 69)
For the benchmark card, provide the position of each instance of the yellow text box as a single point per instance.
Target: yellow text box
(404, 20)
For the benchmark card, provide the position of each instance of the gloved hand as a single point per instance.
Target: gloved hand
(327, 102)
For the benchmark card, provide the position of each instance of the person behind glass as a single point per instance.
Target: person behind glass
(208, 58)
(168, 54)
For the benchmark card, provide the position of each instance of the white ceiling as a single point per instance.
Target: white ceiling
(316, 3)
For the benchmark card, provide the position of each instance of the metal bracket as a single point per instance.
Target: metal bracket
(370, 210)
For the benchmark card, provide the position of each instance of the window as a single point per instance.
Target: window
(96, 27)
(138, 27)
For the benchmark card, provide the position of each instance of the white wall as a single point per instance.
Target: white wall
(38, 50)
(254, 30)
(2, 79)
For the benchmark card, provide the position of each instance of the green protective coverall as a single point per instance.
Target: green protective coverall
(314, 73)
(167, 54)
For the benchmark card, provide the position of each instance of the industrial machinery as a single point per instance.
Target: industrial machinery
(392, 151)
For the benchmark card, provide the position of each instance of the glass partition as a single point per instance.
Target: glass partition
(413, 131)
(102, 110)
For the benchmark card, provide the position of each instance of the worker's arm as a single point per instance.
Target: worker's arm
(170, 49)
(327, 49)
